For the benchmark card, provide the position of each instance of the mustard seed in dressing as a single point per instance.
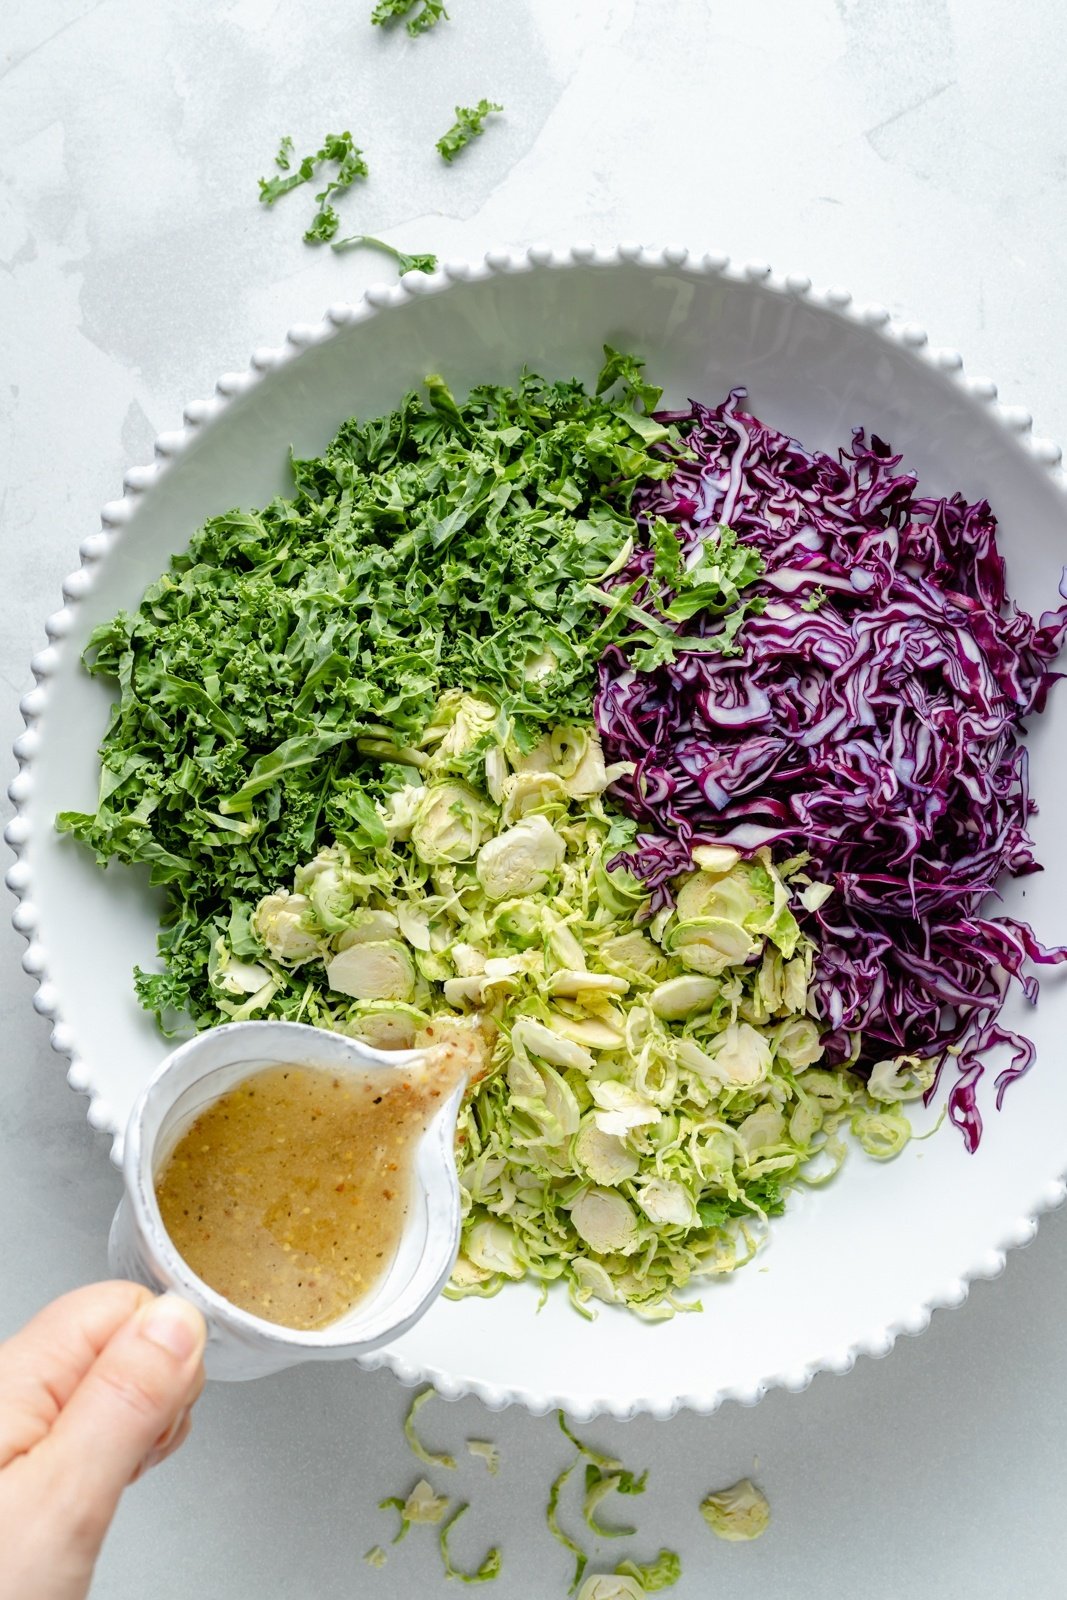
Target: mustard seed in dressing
(288, 1195)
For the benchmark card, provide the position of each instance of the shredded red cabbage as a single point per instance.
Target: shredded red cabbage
(871, 717)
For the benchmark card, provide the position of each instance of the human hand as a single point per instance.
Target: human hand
(94, 1390)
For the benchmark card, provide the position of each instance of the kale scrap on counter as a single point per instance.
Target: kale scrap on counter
(404, 263)
(336, 147)
(429, 14)
(469, 124)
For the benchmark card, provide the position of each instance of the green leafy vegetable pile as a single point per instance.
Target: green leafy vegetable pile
(444, 545)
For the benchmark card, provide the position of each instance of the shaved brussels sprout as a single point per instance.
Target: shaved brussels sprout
(605, 1222)
(604, 1156)
(711, 944)
(532, 791)
(762, 1130)
(572, 985)
(883, 1134)
(798, 1045)
(236, 977)
(488, 1568)
(374, 971)
(906, 1078)
(738, 1513)
(666, 1202)
(723, 897)
(460, 721)
(579, 761)
(590, 1280)
(368, 927)
(717, 858)
(415, 1444)
(281, 922)
(493, 1246)
(742, 1055)
(398, 813)
(530, 1035)
(611, 1586)
(385, 1026)
(484, 1451)
(592, 1032)
(815, 895)
(451, 824)
(663, 1573)
(633, 953)
(598, 1486)
(621, 1108)
(469, 1278)
(681, 998)
(421, 1506)
(521, 860)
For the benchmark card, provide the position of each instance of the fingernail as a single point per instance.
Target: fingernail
(174, 1325)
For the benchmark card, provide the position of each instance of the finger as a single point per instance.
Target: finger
(184, 1429)
(168, 1435)
(165, 1447)
(139, 1385)
(198, 1389)
(173, 1439)
(164, 1442)
(41, 1366)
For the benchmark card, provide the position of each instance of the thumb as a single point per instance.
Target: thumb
(135, 1392)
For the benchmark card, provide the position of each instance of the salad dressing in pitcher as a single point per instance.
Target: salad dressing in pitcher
(288, 1195)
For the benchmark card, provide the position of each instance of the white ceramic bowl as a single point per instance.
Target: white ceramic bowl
(849, 1268)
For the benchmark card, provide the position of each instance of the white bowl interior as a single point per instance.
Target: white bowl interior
(849, 1266)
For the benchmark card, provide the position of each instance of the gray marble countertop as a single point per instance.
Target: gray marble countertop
(914, 151)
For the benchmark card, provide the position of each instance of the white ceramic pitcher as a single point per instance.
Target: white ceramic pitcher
(197, 1073)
